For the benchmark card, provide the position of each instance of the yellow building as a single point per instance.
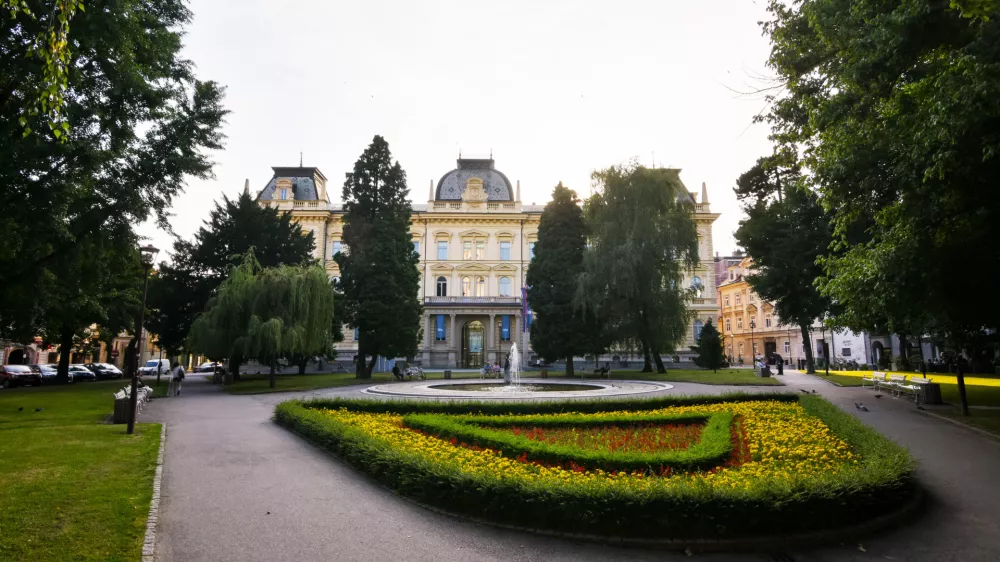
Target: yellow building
(475, 239)
(749, 325)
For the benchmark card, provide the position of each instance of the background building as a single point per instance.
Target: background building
(476, 239)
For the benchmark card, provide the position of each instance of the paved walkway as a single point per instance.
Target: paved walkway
(237, 487)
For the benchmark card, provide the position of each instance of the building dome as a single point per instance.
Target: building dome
(495, 183)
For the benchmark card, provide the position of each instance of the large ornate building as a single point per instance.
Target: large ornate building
(475, 239)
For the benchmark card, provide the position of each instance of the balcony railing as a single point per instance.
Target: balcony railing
(472, 300)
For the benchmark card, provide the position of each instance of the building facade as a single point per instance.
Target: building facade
(475, 239)
(750, 326)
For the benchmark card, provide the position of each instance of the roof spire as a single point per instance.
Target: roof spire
(300, 159)
(704, 194)
(491, 154)
(246, 186)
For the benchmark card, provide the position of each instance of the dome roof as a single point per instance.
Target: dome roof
(495, 183)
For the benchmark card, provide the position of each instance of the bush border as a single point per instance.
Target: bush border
(878, 492)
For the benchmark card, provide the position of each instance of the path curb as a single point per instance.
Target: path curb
(993, 437)
(149, 542)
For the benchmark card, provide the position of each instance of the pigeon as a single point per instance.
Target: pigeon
(860, 406)
(878, 396)
(919, 407)
(803, 391)
(21, 409)
(39, 409)
(814, 392)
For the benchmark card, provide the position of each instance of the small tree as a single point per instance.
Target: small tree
(709, 349)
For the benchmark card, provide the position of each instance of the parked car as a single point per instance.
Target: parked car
(81, 373)
(104, 370)
(48, 371)
(210, 367)
(19, 375)
(150, 368)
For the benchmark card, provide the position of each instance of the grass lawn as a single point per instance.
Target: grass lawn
(73, 487)
(723, 376)
(258, 384)
(983, 419)
(842, 380)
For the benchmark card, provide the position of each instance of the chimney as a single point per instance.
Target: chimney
(430, 194)
(246, 186)
(518, 191)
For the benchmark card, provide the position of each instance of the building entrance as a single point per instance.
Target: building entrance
(473, 336)
(770, 348)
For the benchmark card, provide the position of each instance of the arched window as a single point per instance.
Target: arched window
(442, 287)
(505, 286)
(480, 287)
(466, 287)
(698, 325)
(697, 286)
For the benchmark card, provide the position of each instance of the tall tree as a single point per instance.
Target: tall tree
(378, 273)
(896, 108)
(132, 123)
(785, 237)
(642, 240)
(561, 328)
(711, 354)
(183, 287)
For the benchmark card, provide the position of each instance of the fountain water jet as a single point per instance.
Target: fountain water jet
(512, 376)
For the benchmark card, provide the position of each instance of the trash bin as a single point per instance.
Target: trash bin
(447, 374)
(545, 373)
(930, 393)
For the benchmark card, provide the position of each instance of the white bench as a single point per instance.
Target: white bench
(876, 379)
(900, 385)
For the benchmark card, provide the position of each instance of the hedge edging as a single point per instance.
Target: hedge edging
(693, 518)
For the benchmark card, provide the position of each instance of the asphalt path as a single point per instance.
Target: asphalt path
(237, 487)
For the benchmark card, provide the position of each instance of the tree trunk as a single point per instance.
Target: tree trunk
(359, 364)
(107, 351)
(660, 368)
(569, 367)
(370, 366)
(647, 364)
(961, 388)
(272, 379)
(65, 348)
(810, 363)
(302, 365)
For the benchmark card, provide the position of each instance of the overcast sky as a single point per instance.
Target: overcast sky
(555, 89)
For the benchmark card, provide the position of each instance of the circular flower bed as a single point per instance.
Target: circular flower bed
(675, 468)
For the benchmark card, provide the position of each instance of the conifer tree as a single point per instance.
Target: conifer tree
(709, 349)
(378, 272)
(561, 329)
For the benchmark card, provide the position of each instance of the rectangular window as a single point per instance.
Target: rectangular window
(845, 352)
(767, 321)
(741, 348)
(467, 250)
(727, 300)
(439, 331)
(505, 251)
(356, 334)
(442, 250)
(416, 246)
(788, 348)
(531, 251)
(739, 322)
(480, 249)
(729, 326)
(284, 194)
(738, 300)
(505, 327)
(338, 247)
(751, 297)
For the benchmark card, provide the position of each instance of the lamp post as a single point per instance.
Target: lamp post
(826, 351)
(148, 255)
(753, 346)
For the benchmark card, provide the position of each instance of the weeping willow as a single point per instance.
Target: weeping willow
(267, 314)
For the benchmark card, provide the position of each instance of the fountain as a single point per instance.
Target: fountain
(512, 374)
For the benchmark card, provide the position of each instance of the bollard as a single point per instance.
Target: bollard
(447, 374)
(545, 373)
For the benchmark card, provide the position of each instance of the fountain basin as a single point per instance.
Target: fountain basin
(528, 389)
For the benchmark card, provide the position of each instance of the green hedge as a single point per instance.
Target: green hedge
(881, 484)
(714, 447)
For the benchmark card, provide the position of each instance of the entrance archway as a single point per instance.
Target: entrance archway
(877, 351)
(16, 357)
(473, 337)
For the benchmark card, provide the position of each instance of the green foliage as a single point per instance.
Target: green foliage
(711, 450)
(883, 482)
(266, 314)
(133, 124)
(711, 354)
(642, 240)
(785, 236)
(378, 274)
(183, 287)
(896, 109)
(561, 329)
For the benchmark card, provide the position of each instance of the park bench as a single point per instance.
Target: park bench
(603, 372)
(876, 379)
(120, 414)
(900, 385)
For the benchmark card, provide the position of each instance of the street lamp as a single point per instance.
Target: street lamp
(753, 346)
(826, 351)
(148, 255)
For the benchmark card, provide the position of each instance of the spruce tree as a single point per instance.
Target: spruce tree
(709, 349)
(561, 328)
(378, 272)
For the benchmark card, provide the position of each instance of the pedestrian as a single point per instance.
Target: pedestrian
(177, 376)
(396, 373)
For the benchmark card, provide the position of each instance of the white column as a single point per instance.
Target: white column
(452, 344)
(491, 337)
